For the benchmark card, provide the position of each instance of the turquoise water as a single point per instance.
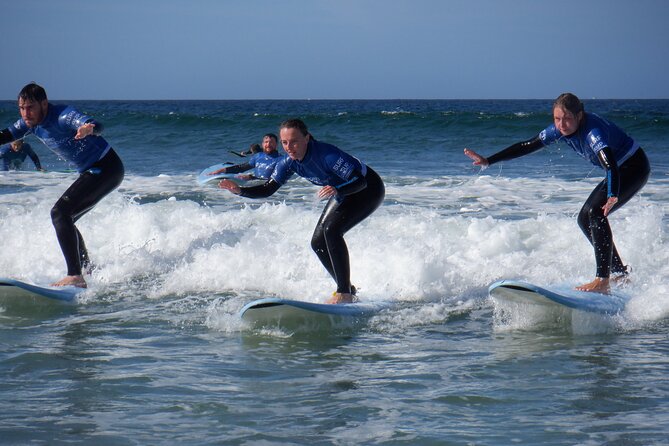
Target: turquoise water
(155, 352)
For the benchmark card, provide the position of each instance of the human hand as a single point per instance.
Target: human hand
(216, 172)
(327, 192)
(478, 159)
(84, 130)
(230, 186)
(609, 205)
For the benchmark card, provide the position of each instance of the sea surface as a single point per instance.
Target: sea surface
(155, 352)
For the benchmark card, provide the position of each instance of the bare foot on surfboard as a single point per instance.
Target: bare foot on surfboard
(77, 281)
(341, 298)
(599, 285)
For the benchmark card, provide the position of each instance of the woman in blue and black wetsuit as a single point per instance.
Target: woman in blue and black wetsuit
(76, 138)
(605, 145)
(354, 191)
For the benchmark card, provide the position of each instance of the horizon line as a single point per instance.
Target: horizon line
(352, 99)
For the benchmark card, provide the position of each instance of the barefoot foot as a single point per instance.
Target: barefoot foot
(77, 281)
(599, 285)
(340, 298)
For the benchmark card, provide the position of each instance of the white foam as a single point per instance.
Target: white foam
(165, 236)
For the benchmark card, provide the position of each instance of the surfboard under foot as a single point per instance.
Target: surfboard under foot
(559, 295)
(286, 313)
(12, 289)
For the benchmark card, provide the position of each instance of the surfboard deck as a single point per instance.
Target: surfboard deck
(17, 289)
(275, 312)
(204, 177)
(558, 295)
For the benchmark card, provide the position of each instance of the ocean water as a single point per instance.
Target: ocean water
(155, 352)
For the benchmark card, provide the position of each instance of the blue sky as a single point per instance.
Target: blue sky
(336, 49)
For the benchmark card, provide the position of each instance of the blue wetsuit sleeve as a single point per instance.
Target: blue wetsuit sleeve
(6, 136)
(517, 150)
(610, 165)
(239, 168)
(357, 183)
(260, 191)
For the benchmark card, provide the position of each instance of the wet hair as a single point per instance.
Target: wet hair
(295, 124)
(32, 92)
(271, 135)
(569, 102)
(255, 148)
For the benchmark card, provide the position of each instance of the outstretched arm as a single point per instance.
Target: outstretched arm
(261, 191)
(514, 151)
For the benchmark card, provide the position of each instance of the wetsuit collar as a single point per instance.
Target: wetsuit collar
(307, 155)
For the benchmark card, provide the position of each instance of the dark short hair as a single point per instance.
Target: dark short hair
(32, 92)
(295, 124)
(270, 135)
(569, 102)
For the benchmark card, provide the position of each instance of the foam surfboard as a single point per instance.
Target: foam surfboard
(275, 312)
(17, 289)
(205, 178)
(560, 295)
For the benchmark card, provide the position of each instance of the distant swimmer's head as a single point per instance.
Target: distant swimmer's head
(294, 138)
(33, 104)
(568, 112)
(269, 142)
(17, 145)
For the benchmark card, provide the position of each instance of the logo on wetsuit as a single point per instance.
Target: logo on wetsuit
(595, 141)
(344, 168)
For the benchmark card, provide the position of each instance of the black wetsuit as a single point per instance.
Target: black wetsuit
(360, 191)
(92, 185)
(604, 145)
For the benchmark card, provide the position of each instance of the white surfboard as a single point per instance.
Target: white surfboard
(205, 176)
(12, 289)
(560, 295)
(274, 312)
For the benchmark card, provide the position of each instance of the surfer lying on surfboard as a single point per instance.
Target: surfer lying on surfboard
(253, 149)
(352, 188)
(262, 162)
(605, 145)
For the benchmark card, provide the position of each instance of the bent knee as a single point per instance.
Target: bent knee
(589, 214)
(59, 212)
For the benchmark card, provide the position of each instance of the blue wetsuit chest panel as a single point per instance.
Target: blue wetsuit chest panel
(323, 165)
(592, 136)
(57, 131)
(264, 163)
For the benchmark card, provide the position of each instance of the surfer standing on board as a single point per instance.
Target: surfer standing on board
(605, 145)
(74, 137)
(352, 188)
